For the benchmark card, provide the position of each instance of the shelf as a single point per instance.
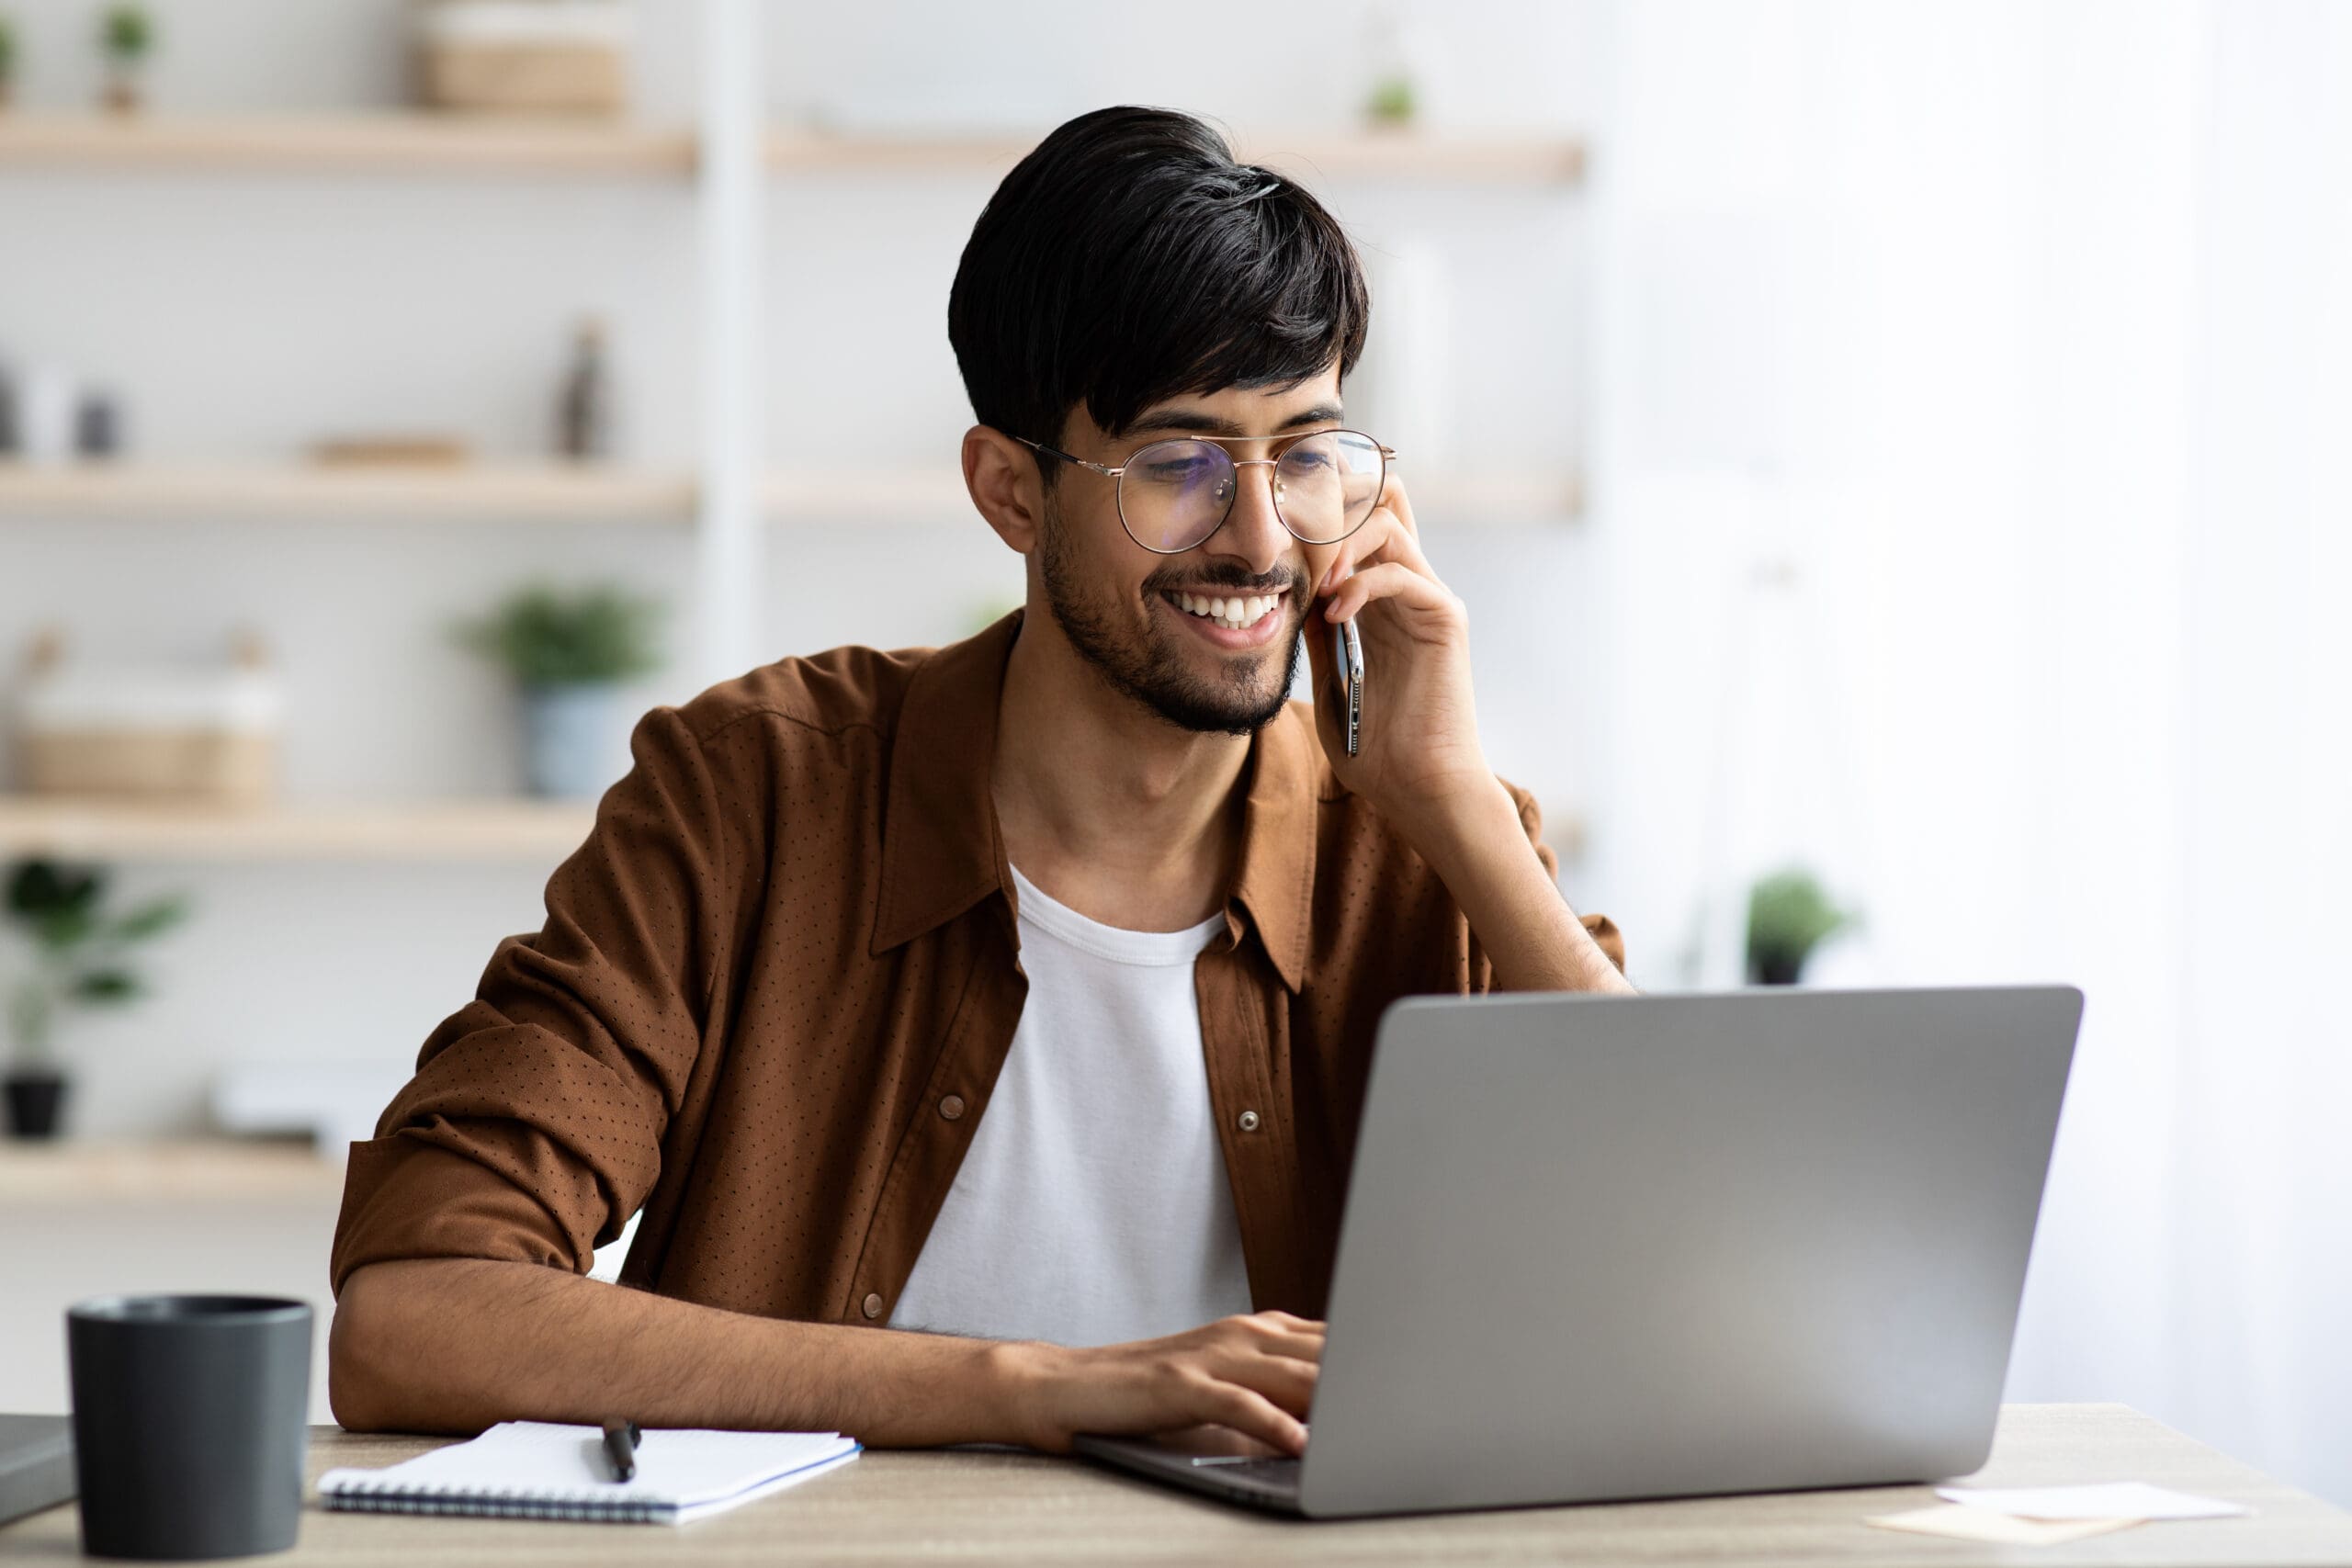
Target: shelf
(541, 492)
(520, 831)
(390, 142)
(1405, 154)
(76, 1170)
(395, 141)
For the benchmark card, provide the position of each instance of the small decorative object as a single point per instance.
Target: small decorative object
(8, 61)
(546, 57)
(44, 414)
(567, 654)
(126, 40)
(583, 409)
(1391, 102)
(168, 732)
(1788, 917)
(97, 425)
(393, 451)
(80, 959)
(11, 438)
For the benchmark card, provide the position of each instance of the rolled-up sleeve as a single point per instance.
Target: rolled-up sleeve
(533, 1127)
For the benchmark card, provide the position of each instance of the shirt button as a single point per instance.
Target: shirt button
(1248, 1121)
(952, 1107)
(872, 1305)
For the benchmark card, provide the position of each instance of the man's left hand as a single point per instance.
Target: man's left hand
(1417, 750)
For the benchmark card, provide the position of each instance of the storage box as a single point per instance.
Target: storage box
(560, 57)
(157, 732)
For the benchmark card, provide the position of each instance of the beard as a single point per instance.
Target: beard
(1153, 672)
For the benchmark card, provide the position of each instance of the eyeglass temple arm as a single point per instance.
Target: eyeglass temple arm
(1057, 452)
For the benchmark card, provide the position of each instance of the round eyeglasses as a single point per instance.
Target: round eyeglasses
(1174, 494)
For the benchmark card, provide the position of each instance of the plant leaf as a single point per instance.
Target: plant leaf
(107, 985)
(37, 887)
(152, 918)
(61, 931)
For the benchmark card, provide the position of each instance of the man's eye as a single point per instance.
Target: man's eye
(1177, 471)
(1307, 462)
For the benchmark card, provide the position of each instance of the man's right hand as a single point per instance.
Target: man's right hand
(1253, 1373)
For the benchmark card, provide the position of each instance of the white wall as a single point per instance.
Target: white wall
(2011, 338)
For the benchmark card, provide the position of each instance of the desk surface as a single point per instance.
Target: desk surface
(971, 1507)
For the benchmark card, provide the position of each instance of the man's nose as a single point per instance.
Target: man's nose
(1253, 530)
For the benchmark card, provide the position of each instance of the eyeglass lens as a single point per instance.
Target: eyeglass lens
(1174, 494)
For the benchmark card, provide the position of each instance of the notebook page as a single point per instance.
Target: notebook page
(676, 1468)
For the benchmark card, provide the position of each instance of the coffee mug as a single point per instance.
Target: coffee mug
(190, 1419)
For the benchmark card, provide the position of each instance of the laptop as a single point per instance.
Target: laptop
(1616, 1247)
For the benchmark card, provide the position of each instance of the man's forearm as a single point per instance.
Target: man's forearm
(454, 1345)
(1535, 942)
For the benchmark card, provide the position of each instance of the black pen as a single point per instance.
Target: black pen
(620, 1448)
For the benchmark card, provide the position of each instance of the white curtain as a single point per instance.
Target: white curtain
(1974, 505)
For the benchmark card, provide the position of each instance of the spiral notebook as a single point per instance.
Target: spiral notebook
(536, 1469)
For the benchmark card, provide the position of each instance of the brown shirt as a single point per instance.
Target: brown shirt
(776, 982)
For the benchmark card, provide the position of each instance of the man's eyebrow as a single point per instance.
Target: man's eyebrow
(1199, 423)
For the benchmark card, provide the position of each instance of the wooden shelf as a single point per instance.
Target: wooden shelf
(530, 491)
(395, 141)
(524, 830)
(392, 141)
(75, 1170)
(1500, 158)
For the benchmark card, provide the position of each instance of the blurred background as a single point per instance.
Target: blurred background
(1893, 454)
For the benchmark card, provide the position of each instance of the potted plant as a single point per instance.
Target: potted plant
(568, 653)
(126, 40)
(7, 60)
(81, 953)
(1788, 917)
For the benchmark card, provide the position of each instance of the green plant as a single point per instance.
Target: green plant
(1392, 102)
(7, 49)
(547, 638)
(127, 34)
(1788, 917)
(81, 950)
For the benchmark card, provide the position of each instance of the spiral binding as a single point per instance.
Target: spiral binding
(501, 1503)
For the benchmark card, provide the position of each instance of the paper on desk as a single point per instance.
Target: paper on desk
(1982, 1524)
(2113, 1500)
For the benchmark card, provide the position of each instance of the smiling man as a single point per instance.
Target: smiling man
(982, 1031)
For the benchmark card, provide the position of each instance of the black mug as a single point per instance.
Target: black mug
(190, 1418)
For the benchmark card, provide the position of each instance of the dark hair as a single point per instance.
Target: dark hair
(1129, 259)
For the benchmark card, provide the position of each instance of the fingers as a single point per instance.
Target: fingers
(1389, 579)
(1252, 1414)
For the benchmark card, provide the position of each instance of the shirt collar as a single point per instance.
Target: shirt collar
(942, 851)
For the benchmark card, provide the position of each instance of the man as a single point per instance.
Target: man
(1022, 991)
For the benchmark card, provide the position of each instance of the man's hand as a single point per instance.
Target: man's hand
(1419, 760)
(1254, 1374)
(1417, 746)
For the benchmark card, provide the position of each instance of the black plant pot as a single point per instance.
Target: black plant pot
(36, 1097)
(1775, 969)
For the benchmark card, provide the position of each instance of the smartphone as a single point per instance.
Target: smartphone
(1347, 657)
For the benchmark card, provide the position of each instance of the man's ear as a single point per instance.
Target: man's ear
(1003, 482)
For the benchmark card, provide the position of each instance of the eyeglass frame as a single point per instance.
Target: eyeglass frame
(1238, 464)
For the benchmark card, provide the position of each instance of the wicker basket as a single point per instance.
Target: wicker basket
(558, 57)
(150, 733)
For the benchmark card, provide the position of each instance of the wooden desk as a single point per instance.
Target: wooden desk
(968, 1507)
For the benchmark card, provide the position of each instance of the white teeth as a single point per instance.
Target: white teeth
(1233, 614)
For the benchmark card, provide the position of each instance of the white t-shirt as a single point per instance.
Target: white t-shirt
(1092, 1207)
